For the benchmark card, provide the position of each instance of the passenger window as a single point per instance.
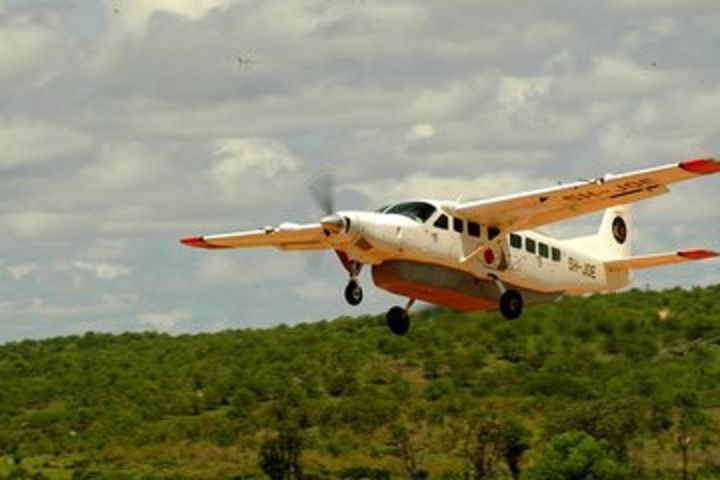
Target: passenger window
(493, 232)
(556, 254)
(544, 250)
(530, 245)
(474, 229)
(457, 224)
(515, 241)
(442, 222)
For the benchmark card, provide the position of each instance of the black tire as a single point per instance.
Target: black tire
(398, 320)
(511, 304)
(353, 293)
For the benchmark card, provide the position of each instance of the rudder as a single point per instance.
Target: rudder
(615, 233)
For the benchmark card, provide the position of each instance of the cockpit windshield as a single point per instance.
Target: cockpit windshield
(418, 211)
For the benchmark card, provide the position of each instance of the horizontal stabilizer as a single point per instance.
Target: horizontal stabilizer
(658, 259)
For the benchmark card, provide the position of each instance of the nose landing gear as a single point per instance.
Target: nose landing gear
(398, 318)
(353, 292)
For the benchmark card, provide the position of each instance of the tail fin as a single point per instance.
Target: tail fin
(615, 234)
(613, 239)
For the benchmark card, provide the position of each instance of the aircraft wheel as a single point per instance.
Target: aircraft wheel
(353, 293)
(511, 304)
(398, 320)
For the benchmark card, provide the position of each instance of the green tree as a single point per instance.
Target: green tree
(514, 443)
(614, 421)
(279, 457)
(575, 456)
(408, 448)
(489, 439)
(482, 445)
(691, 427)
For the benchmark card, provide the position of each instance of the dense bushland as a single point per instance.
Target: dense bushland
(605, 387)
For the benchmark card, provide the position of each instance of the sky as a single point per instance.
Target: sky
(128, 124)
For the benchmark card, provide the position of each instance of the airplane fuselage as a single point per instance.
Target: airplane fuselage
(453, 256)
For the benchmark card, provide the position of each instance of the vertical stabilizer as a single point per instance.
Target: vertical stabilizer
(615, 234)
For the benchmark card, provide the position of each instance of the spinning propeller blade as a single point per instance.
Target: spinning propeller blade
(322, 188)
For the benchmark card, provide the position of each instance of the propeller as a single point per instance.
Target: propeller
(322, 189)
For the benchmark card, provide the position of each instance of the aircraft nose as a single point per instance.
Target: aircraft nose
(333, 223)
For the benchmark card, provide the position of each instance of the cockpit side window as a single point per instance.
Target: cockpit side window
(418, 211)
(442, 222)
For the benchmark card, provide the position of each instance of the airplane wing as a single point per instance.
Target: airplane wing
(532, 209)
(287, 236)
(658, 259)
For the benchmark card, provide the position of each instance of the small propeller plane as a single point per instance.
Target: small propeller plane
(485, 254)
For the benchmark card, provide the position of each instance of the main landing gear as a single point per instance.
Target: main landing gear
(511, 304)
(398, 319)
(511, 301)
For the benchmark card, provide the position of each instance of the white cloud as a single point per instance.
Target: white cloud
(448, 100)
(670, 6)
(616, 78)
(249, 268)
(37, 309)
(165, 321)
(134, 16)
(122, 166)
(25, 42)
(420, 131)
(102, 270)
(517, 93)
(22, 270)
(36, 224)
(315, 290)
(242, 162)
(632, 142)
(424, 185)
(26, 141)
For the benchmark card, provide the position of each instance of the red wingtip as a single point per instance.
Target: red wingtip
(701, 166)
(698, 254)
(193, 242)
(198, 242)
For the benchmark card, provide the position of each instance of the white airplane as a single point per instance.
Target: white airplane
(483, 255)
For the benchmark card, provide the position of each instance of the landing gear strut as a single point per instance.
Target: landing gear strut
(511, 302)
(398, 319)
(353, 292)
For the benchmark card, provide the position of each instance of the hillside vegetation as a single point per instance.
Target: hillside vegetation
(605, 387)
